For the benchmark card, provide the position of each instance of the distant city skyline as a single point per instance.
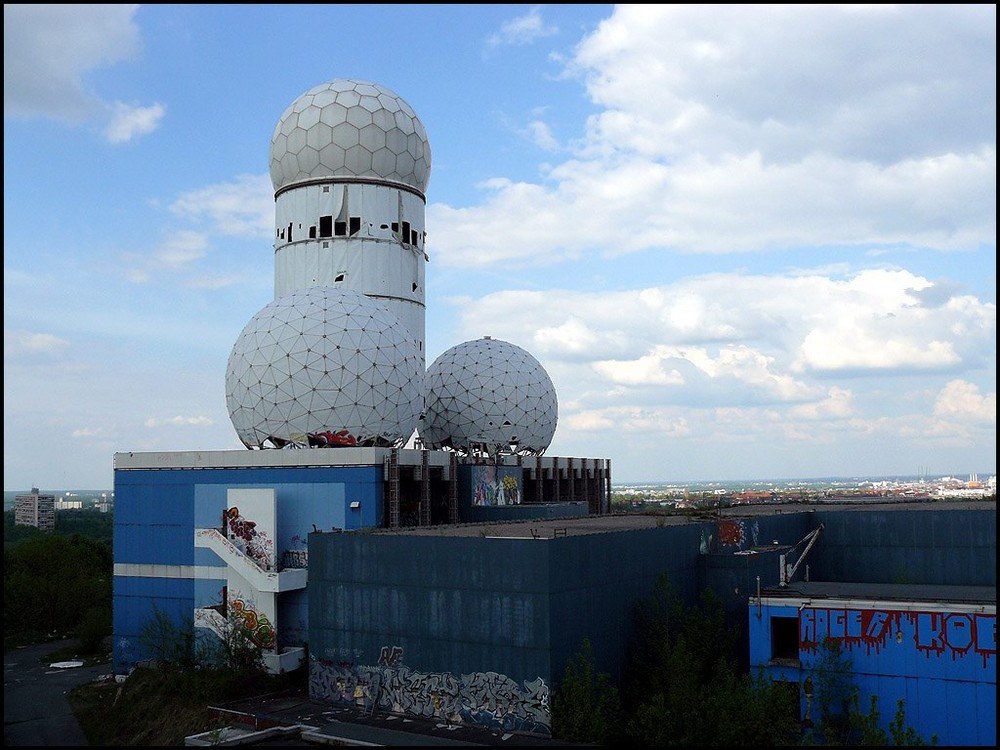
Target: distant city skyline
(695, 484)
(743, 241)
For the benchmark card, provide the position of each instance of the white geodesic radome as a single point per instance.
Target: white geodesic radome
(350, 128)
(321, 361)
(488, 396)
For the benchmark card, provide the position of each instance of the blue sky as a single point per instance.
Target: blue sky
(745, 242)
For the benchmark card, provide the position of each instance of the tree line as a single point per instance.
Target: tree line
(59, 583)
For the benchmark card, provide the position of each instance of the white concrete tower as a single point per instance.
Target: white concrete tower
(350, 163)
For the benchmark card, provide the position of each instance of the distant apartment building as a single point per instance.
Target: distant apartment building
(35, 509)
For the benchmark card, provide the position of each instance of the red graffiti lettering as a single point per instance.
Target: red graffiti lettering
(931, 633)
(876, 624)
(928, 632)
(957, 632)
(985, 627)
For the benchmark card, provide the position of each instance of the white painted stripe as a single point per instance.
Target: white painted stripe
(876, 604)
(194, 572)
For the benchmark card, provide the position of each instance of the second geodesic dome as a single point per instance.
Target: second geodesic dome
(488, 396)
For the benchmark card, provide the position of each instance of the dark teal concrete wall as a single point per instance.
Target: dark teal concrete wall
(466, 605)
(526, 512)
(456, 630)
(478, 628)
(919, 546)
(598, 579)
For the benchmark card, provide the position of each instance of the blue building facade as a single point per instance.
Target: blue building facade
(932, 647)
(201, 538)
(162, 573)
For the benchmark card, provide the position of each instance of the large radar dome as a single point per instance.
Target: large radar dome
(353, 129)
(324, 366)
(488, 396)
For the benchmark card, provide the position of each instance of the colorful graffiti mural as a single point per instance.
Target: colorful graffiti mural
(495, 485)
(255, 624)
(250, 540)
(484, 699)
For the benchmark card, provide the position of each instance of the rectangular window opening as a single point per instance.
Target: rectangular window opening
(785, 638)
(312, 232)
(326, 226)
(355, 224)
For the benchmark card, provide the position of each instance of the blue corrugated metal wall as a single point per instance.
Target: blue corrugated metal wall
(948, 690)
(926, 546)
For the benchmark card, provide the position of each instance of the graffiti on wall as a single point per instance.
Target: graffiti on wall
(484, 699)
(390, 656)
(933, 634)
(495, 485)
(295, 557)
(730, 533)
(254, 624)
(250, 540)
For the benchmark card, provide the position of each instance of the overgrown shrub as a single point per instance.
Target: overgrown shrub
(585, 706)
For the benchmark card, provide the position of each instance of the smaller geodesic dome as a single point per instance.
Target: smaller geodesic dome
(324, 367)
(350, 129)
(488, 396)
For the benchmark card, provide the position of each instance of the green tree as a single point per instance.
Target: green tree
(683, 686)
(89, 523)
(837, 701)
(834, 694)
(585, 705)
(52, 581)
(168, 644)
(173, 644)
